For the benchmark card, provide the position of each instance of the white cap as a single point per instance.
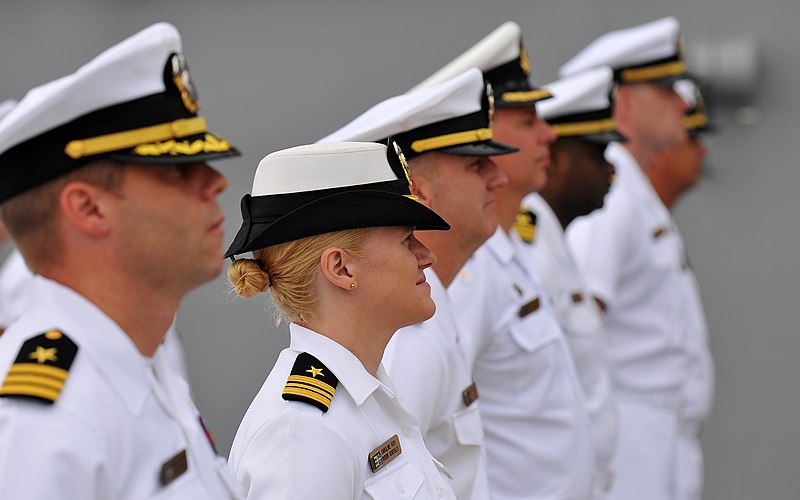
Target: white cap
(650, 52)
(451, 117)
(133, 102)
(502, 58)
(321, 188)
(582, 106)
(6, 107)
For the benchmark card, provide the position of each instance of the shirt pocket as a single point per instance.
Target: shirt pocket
(399, 482)
(534, 330)
(665, 253)
(187, 485)
(582, 317)
(468, 426)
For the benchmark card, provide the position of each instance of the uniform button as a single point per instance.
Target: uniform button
(440, 492)
(407, 432)
(401, 489)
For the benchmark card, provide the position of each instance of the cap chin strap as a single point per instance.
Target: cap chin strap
(121, 140)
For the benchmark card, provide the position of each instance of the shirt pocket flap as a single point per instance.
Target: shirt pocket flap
(400, 482)
(468, 426)
(535, 330)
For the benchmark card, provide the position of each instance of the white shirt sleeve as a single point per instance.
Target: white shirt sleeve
(296, 456)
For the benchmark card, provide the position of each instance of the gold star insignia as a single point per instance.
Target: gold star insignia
(42, 355)
(315, 371)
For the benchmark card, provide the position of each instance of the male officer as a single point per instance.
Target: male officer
(445, 132)
(578, 179)
(101, 173)
(538, 443)
(634, 262)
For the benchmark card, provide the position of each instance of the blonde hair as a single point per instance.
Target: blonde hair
(289, 269)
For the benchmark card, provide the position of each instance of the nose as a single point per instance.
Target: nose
(495, 178)
(213, 182)
(547, 134)
(425, 256)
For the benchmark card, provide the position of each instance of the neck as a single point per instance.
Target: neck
(642, 153)
(664, 190)
(561, 212)
(508, 204)
(143, 314)
(344, 322)
(451, 254)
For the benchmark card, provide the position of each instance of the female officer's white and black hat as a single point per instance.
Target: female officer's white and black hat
(583, 106)
(648, 53)
(320, 188)
(135, 102)
(453, 117)
(502, 58)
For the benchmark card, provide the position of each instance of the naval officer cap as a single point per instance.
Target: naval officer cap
(135, 102)
(583, 106)
(502, 57)
(320, 188)
(453, 117)
(696, 119)
(648, 53)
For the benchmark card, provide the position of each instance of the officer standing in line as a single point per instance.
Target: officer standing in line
(445, 132)
(578, 179)
(635, 265)
(101, 173)
(538, 442)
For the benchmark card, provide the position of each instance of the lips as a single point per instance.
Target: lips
(421, 280)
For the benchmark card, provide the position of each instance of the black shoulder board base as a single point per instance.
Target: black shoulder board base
(310, 382)
(41, 367)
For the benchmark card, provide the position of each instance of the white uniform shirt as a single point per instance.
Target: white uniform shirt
(537, 438)
(17, 295)
(633, 259)
(120, 417)
(292, 450)
(565, 288)
(430, 351)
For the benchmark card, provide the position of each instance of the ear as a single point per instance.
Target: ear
(338, 267)
(423, 189)
(84, 207)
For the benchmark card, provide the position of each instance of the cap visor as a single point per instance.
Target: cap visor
(603, 138)
(342, 211)
(485, 148)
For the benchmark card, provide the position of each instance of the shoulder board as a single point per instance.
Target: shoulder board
(525, 225)
(41, 367)
(310, 382)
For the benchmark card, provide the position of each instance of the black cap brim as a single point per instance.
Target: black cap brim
(485, 148)
(338, 212)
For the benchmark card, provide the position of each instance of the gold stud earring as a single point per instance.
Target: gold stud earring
(353, 285)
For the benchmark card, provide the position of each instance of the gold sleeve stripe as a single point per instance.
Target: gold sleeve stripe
(34, 380)
(307, 394)
(312, 381)
(584, 128)
(29, 390)
(635, 75)
(530, 95)
(130, 138)
(454, 139)
(325, 394)
(38, 370)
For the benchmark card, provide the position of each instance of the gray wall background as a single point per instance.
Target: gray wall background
(273, 74)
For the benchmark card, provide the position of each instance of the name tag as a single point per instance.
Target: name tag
(385, 453)
(470, 394)
(529, 308)
(173, 468)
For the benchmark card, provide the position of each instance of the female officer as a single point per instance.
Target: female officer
(331, 227)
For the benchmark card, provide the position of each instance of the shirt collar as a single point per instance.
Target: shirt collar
(548, 227)
(630, 173)
(358, 382)
(500, 245)
(100, 338)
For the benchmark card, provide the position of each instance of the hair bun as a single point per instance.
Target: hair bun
(247, 277)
